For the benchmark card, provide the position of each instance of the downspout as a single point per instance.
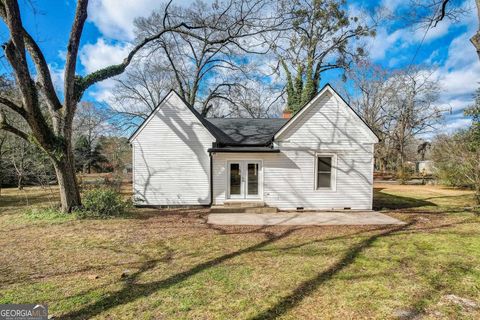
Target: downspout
(211, 179)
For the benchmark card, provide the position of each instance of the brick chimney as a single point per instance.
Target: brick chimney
(287, 114)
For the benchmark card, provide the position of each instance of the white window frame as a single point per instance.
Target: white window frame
(333, 175)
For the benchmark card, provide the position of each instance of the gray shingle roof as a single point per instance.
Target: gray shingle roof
(246, 131)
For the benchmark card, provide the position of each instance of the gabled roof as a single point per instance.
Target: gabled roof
(215, 132)
(302, 111)
(245, 131)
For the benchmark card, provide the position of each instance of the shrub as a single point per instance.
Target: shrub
(102, 203)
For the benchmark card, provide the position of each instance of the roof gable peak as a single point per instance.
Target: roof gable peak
(172, 93)
(326, 88)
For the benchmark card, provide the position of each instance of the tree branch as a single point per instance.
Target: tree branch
(72, 53)
(7, 127)
(441, 15)
(15, 53)
(13, 106)
(83, 83)
(42, 70)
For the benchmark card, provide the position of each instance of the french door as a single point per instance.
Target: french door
(244, 179)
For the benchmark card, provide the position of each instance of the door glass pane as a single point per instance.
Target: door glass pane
(235, 179)
(252, 179)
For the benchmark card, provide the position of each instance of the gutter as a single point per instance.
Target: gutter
(226, 150)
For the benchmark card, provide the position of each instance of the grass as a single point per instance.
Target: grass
(175, 266)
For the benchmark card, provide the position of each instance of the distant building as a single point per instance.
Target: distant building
(424, 167)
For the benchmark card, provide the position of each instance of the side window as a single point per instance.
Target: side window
(324, 174)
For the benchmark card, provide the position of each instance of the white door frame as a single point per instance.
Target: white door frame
(240, 165)
(243, 164)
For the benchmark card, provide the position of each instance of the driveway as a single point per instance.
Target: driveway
(324, 218)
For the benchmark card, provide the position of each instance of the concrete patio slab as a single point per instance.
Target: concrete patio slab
(323, 218)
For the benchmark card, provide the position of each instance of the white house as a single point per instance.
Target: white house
(321, 158)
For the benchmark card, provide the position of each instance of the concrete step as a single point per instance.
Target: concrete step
(229, 209)
(242, 204)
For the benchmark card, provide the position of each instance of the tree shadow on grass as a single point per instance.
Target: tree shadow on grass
(309, 286)
(383, 200)
(132, 290)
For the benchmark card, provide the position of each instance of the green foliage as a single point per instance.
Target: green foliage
(48, 214)
(102, 203)
(474, 112)
(88, 156)
(117, 152)
(457, 157)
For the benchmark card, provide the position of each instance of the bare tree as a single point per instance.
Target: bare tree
(21, 158)
(91, 121)
(52, 130)
(252, 99)
(415, 109)
(371, 96)
(204, 72)
(141, 90)
(398, 105)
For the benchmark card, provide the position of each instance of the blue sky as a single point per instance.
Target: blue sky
(109, 30)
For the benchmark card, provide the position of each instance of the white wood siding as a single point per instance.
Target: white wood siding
(289, 176)
(171, 165)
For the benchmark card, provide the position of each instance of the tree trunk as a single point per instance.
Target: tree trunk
(67, 182)
(477, 193)
(19, 182)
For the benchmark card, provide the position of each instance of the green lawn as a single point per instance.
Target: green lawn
(176, 266)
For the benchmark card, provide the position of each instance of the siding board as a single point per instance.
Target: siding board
(170, 159)
(289, 176)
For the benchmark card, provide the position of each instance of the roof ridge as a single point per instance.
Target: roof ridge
(238, 118)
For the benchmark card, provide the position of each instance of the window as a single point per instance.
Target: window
(324, 178)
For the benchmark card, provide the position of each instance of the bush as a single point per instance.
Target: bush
(403, 175)
(102, 203)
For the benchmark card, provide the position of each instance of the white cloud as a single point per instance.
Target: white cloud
(103, 92)
(458, 79)
(115, 18)
(101, 54)
(384, 41)
(456, 124)
(456, 104)
(56, 74)
(461, 52)
(391, 5)
(461, 81)
(433, 33)
(460, 73)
